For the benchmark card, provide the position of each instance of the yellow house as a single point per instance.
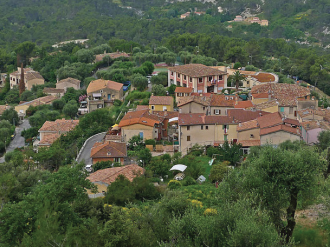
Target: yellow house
(161, 103)
(141, 123)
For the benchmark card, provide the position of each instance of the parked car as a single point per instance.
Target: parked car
(89, 168)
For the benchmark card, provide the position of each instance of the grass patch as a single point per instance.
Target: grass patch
(306, 237)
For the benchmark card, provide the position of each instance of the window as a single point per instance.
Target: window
(220, 77)
(188, 138)
(210, 78)
(172, 73)
(203, 108)
(217, 112)
(188, 127)
(178, 75)
(164, 108)
(202, 127)
(117, 160)
(282, 109)
(99, 106)
(200, 80)
(185, 77)
(180, 94)
(206, 127)
(290, 110)
(101, 91)
(152, 107)
(251, 136)
(190, 79)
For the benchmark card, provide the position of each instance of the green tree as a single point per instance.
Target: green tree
(219, 171)
(144, 156)
(11, 115)
(85, 56)
(27, 96)
(158, 90)
(149, 67)
(323, 140)
(70, 109)
(58, 104)
(279, 176)
(12, 96)
(140, 82)
(237, 77)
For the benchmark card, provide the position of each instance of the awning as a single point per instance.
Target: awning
(179, 167)
(115, 127)
(97, 95)
(173, 119)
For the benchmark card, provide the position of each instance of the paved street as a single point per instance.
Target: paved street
(18, 141)
(85, 154)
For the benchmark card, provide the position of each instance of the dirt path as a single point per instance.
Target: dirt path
(309, 217)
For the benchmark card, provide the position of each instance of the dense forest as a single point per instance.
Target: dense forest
(149, 22)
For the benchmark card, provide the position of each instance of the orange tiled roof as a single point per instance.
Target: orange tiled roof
(59, 125)
(160, 100)
(244, 104)
(196, 70)
(281, 127)
(142, 107)
(166, 114)
(309, 125)
(266, 105)
(40, 101)
(109, 175)
(109, 150)
(291, 121)
(269, 120)
(260, 95)
(183, 90)
(249, 143)
(33, 75)
(252, 124)
(70, 80)
(49, 139)
(264, 77)
(202, 100)
(201, 118)
(102, 84)
(242, 115)
(140, 117)
(286, 94)
(52, 90)
(223, 100)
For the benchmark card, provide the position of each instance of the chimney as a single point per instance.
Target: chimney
(21, 81)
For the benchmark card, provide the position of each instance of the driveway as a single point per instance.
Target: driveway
(18, 141)
(85, 151)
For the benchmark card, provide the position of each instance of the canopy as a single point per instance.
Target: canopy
(173, 119)
(179, 167)
(97, 95)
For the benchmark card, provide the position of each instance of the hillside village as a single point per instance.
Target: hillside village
(132, 133)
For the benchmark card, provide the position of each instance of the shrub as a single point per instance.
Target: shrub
(174, 184)
(188, 181)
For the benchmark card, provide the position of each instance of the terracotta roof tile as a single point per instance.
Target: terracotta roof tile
(52, 90)
(140, 117)
(249, 143)
(166, 114)
(59, 125)
(202, 100)
(49, 139)
(252, 124)
(242, 115)
(109, 175)
(265, 105)
(281, 127)
(223, 100)
(264, 77)
(109, 150)
(286, 94)
(269, 120)
(70, 80)
(309, 125)
(201, 118)
(183, 90)
(291, 121)
(40, 101)
(33, 75)
(244, 104)
(142, 107)
(160, 100)
(196, 70)
(260, 95)
(101, 84)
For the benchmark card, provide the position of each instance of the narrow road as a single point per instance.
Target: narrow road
(85, 152)
(18, 141)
